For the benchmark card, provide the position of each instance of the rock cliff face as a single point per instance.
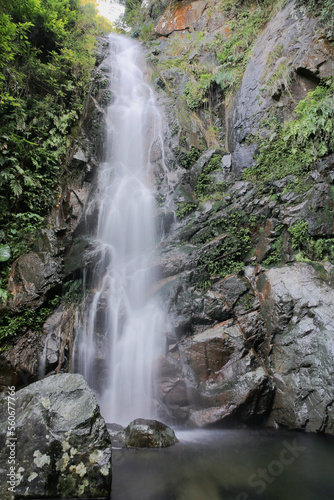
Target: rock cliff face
(253, 327)
(245, 267)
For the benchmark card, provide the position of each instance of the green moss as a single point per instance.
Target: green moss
(246, 301)
(228, 256)
(73, 292)
(311, 249)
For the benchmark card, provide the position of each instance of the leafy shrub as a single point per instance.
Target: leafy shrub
(46, 59)
(185, 209)
(292, 147)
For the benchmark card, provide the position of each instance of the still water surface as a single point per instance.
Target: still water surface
(228, 465)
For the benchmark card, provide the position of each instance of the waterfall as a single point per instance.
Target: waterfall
(120, 336)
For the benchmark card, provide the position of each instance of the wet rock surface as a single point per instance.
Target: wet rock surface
(298, 307)
(32, 276)
(63, 447)
(145, 433)
(223, 365)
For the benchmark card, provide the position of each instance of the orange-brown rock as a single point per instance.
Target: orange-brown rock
(180, 16)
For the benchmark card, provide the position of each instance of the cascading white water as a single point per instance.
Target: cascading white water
(118, 363)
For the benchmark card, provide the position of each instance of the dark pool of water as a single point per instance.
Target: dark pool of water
(228, 465)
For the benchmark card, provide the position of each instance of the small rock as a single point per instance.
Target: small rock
(143, 433)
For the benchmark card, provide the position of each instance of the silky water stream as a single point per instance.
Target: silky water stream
(116, 354)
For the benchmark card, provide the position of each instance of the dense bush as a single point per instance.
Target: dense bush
(46, 59)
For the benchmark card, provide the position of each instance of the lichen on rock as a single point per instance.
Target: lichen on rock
(63, 448)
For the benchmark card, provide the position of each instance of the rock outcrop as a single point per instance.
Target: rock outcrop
(32, 276)
(297, 304)
(176, 18)
(63, 448)
(291, 55)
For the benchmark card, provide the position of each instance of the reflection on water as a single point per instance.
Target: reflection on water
(228, 465)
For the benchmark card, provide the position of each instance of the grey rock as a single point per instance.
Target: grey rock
(145, 433)
(300, 48)
(19, 365)
(79, 157)
(201, 163)
(172, 387)
(298, 307)
(32, 276)
(64, 448)
(117, 435)
(226, 376)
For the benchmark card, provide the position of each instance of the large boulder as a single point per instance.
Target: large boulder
(297, 303)
(33, 275)
(145, 433)
(228, 380)
(62, 445)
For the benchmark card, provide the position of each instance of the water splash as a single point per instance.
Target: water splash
(120, 335)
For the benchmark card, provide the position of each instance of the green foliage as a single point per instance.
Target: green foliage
(322, 9)
(160, 200)
(196, 92)
(292, 147)
(135, 17)
(310, 248)
(4, 253)
(280, 78)
(322, 249)
(299, 232)
(246, 301)
(275, 54)
(275, 254)
(12, 324)
(185, 209)
(46, 59)
(230, 49)
(187, 158)
(246, 20)
(206, 187)
(228, 256)
(73, 292)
